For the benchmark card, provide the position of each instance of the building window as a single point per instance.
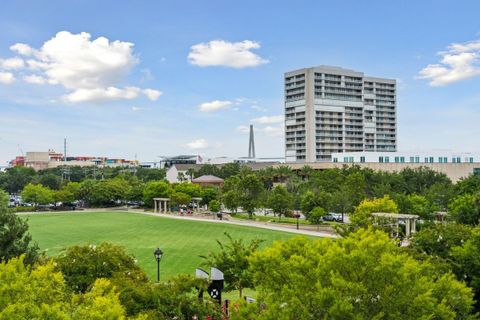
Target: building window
(380, 159)
(402, 159)
(362, 159)
(335, 159)
(471, 159)
(417, 159)
(459, 160)
(397, 159)
(440, 159)
(387, 160)
(412, 159)
(476, 170)
(345, 159)
(431, 159)
(426, 159)
(351, 159)
(454, 160)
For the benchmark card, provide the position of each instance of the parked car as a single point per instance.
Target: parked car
(331, 216)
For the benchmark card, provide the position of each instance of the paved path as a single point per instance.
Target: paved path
(247, 223)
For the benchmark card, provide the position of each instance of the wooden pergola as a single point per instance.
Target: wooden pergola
(409, 219)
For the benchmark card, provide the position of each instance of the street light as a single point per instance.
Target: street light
(298, 217)
(158, 253)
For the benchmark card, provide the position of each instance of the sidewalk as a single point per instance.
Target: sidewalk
(247, 223)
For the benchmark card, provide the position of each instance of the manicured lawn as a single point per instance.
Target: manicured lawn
(182, 241)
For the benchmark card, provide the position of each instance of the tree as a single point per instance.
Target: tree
(180, 198)
(280, 200)
(308, 201)
(439, 239)
(363, 276)
(37, 194)
(231, 200)
(82, 265)
(214, 206)
(14, 237)
(415, 204)
(250, 189)
(64, 196)
(465, 209)
(208, 194)
(193, 190)
(16, 178)
(315, 216)
(50, 180)
(233, 261)
(363, 212)
(466, 259)
(156, 189)
(40, 293)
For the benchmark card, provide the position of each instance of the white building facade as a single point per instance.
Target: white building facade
(405, 157)
(330, 110)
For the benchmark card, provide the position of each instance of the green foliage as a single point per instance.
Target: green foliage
(180, 198)
(233, 261)
(16, 178)
(315, 216)
(82, 265)
(310, 200)
(250, 189)
(14, 237)
(214, 206)
(465, 209)
(208, 194)
(49, 180)
(439, 239)
(415, 204)
(104, 192)
(37, 194)
(231, 200)
(363, 212)
(63, 196)
(280, 200)
(191, 189)
(466, 260)
(150, 174)
(40, 293)
(156, 189)
(363, 276)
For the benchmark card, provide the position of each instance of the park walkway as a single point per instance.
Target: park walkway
(247, 223)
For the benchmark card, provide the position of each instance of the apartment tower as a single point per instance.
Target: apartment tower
(331, 109)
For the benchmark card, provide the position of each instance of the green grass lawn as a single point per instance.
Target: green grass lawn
(182, 241)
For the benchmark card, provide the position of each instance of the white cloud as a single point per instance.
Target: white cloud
(7, 78)
(197, 144)
(268, 119)
(152, 94)
(23, 49)
(243, 129)
(102, 94)
(460, 62)
(228, 54)
(33, 78)
(214, 105)
(12, 63)
(91, 70)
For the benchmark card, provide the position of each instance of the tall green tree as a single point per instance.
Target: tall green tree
(14, 237)
(465, 209)
(233, 260)
(156, 189)
(280, 200)
(37, 194)
(250, 189)
(363, 276)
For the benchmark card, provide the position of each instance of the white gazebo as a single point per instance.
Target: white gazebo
(196, 201)
(161, 205)
(409, 219)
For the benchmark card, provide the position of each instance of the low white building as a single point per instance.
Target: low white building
(405, 157)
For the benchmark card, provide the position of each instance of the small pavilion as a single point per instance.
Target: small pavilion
(161, 205)
(208, 180)
(196, 201)
(409, 219)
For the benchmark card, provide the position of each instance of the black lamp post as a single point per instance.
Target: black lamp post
(158, 253)
(298, 217)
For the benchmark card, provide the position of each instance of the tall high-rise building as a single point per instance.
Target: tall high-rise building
(331, 109)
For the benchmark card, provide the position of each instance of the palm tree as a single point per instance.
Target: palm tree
(191, 173)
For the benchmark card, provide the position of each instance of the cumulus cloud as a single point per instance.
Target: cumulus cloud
(91, 69)
(268, 119)
(461, 61)
(33, 78)
(197, 144)
(214, 105)
(12, 63)
(228, 54)
(7, 78)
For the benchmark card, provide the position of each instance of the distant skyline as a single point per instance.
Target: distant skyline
(149, 78)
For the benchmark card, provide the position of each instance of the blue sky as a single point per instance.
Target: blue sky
(177, 77)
